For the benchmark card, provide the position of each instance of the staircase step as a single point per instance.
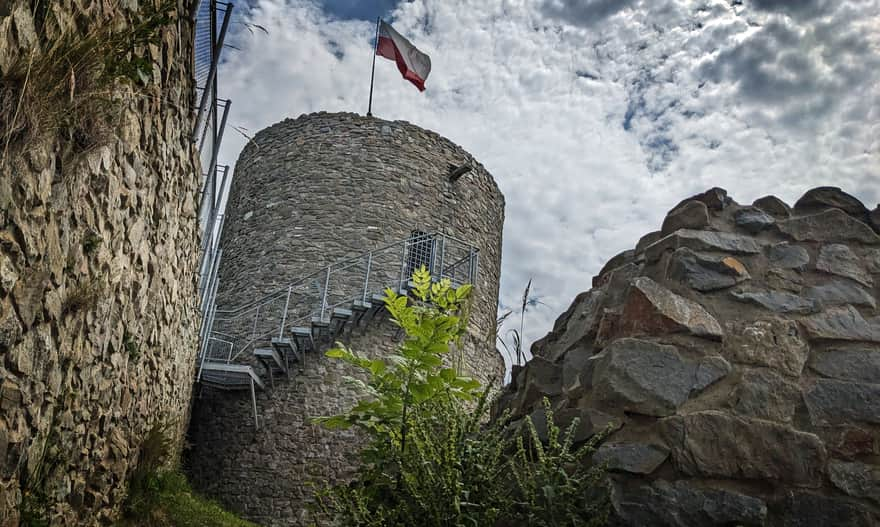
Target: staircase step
(230, 376)
(271, 358)
(283, 346)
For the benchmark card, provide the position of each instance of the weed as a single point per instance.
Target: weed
(69, 87)
(91, 241)
(83, 297)
(131, 346)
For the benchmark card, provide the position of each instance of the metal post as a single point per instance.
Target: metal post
(324, 300)
(442, 253)
(212, 166)
(367, 274)
(402, 265)
(254, 401)
(256, 318)
(212, 73)
(284, 315)
(373, 71)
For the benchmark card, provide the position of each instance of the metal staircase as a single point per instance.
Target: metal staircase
(250, 346)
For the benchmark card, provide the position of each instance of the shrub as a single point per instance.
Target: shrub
(430, 460)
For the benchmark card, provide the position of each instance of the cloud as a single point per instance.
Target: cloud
(584, 12)
(593, 131)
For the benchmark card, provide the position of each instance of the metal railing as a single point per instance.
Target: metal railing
(232, 334)
(212, 19)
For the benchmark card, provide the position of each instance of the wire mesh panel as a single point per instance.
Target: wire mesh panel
(419, 253)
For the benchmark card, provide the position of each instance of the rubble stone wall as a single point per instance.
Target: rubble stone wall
(735, 356)
(98, 262)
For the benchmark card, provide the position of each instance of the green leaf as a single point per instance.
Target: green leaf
(336, 353)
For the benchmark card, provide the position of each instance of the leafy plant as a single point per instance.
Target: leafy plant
(431, 459)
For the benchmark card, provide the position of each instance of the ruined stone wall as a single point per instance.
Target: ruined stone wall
(735, 354)
(307, 193)
(98, 262)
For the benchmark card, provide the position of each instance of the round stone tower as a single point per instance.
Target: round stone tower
(326, 211)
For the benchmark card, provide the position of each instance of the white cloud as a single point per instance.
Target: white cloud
(592, 130)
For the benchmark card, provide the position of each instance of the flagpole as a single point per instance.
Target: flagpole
(373, 71)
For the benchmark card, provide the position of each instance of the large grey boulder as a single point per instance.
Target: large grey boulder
(708, 241)
(840, 292)
(788, 256)
(714, 444)
(821, 198)
(778, 301)
(635, 458)
(753, 219)
(648, 378)
(651, 309)
(715, 199)
(681, 504)
(689, 215)
(832, 225)
(840, 260)
(773, 206)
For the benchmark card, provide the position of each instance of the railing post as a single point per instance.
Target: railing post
(402, 265)
(367, 274)
(284, 315)
(442, 254)
(254, 401)
(256, 319)
(326, 286)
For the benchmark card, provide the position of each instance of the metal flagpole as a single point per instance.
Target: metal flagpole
(373, 72)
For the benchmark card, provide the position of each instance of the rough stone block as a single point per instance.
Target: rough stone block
(717, 445)
(838, 259)
(841, 323)
(689, 215)
(775, 343)
(651, 309)
(705, 273)
(682, 504)
(649, 378)
(773, 206)
(832, 225)
(837, 402)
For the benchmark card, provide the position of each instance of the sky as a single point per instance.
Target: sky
(594, 116)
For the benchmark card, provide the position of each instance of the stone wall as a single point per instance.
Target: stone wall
(98, 261)
(735, 354)
(307, 193)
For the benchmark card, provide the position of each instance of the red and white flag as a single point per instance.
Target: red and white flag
(412, 63)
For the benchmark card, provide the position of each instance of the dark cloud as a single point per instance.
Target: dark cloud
(803, 9)
(584, 12)
(800, 70)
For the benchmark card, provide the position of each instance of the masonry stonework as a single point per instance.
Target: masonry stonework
(98, 261)
(734, 358)
(307, 193)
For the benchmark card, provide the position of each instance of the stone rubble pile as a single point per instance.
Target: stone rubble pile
(735, 355)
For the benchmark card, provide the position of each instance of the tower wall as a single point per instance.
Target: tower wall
(307, 193)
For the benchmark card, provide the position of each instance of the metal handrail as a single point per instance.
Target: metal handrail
(315, 295)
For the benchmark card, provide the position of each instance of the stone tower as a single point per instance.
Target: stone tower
(326, 211)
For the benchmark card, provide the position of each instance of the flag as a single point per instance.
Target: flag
(412, 63)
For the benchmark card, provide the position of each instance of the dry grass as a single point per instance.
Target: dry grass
(69, 88)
